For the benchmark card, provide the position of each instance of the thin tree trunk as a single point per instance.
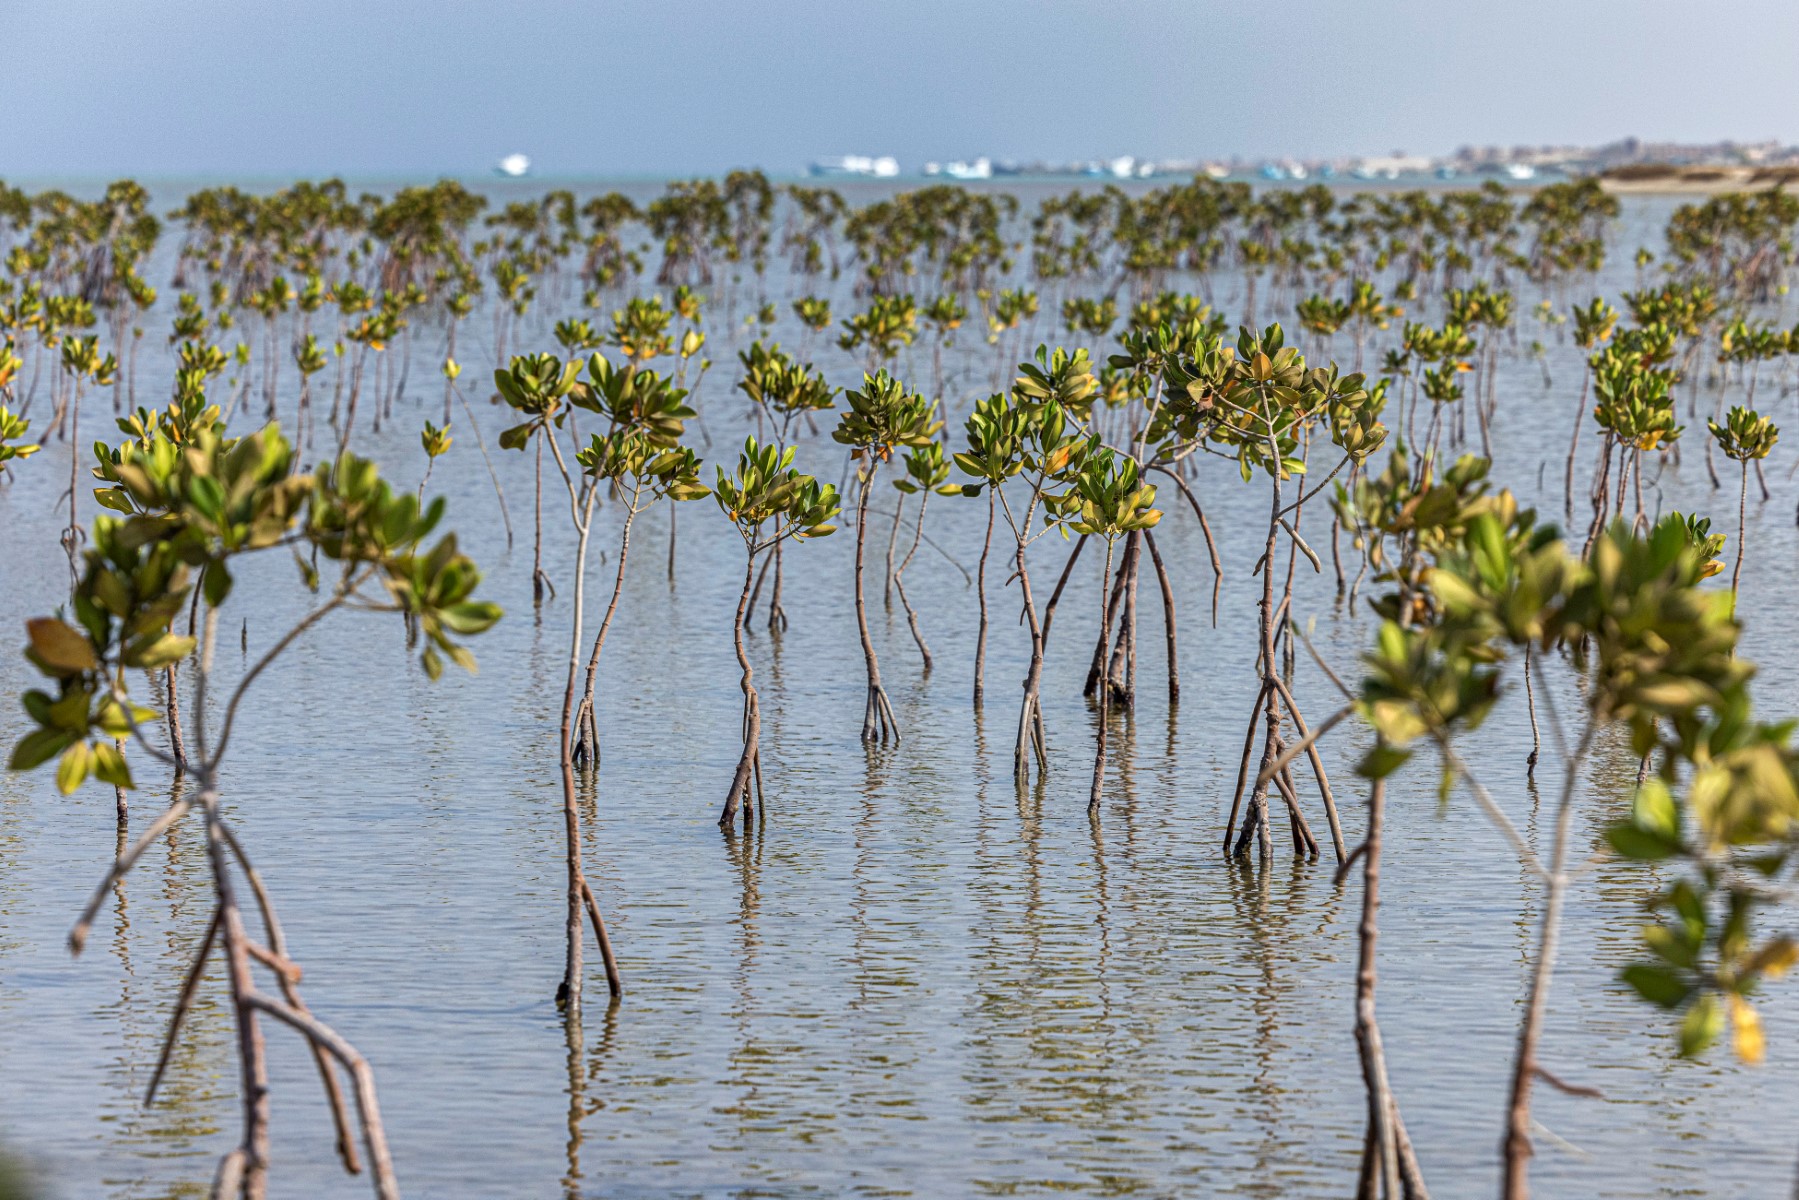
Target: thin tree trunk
(568, 996)
(1516, 1147)
(1030, 719)
(777, 615)
(1736, 572)
(74, 530)
(899, 582)
(177, 742)
(1167, 588)
(1105, 696)
(537, 576)
(1580, 414)
(587, 736)
(343, 437)
(1255, 821)
(1530, 698)
(253, 1152)
(980, 642)
(739, 795)
(1380, 1159)
(899, 511)
(878, 722)
(1113, 588)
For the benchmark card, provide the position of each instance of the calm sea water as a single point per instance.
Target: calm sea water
(914, 981)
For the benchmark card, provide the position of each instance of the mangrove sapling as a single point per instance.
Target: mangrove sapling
(459, 305)
(1110, 500)
(1633, 390)
(881, 418)
(1745, 437)
(1259, 403)
(184, 420)
(1137, 375)
(1029, 433)
(436, 443)
(1009, 312)
(883, 329)
(1430, 521)
(540, 385)
(763, 489)
(926, 471)
(1389, 1168)
(641, 460)
(784, 390)
(452, 370)
(81, 362)
(1658, 652)
(309, 359)
(945, 315)
(690, 344)
(536, 386)
(1593, 327)
(1167, 436)
(814, 313)
(353, 302)
(194, 510)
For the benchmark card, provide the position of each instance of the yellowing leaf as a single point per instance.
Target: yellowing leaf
(1746, 1025)
(59, 646)
(73, 768)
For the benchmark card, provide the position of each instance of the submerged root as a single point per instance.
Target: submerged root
(587, 736)
(1031, 741)
(740, 798)
(878, 722)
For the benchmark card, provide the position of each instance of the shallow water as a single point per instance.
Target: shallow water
(913, 981)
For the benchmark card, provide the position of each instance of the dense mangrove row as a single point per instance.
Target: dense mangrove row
(1067, 370)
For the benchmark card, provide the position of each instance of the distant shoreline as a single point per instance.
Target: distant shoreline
(1652, 179)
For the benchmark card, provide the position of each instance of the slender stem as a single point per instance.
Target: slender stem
(1517, 1145)
(307, 622)
(980, 643)
(570, 991)
(1736, 572)
(1383, 1162)
(591, 722)
(1105, 691)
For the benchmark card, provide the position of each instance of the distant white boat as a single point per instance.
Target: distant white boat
(1122, 167)
(980, 168)
(884, 167)
(1520, 171)
(515, 166)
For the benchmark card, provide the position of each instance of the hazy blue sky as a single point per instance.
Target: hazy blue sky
(164, 87)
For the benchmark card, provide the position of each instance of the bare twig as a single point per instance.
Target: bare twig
(323, 1036)
(1562, 1085)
